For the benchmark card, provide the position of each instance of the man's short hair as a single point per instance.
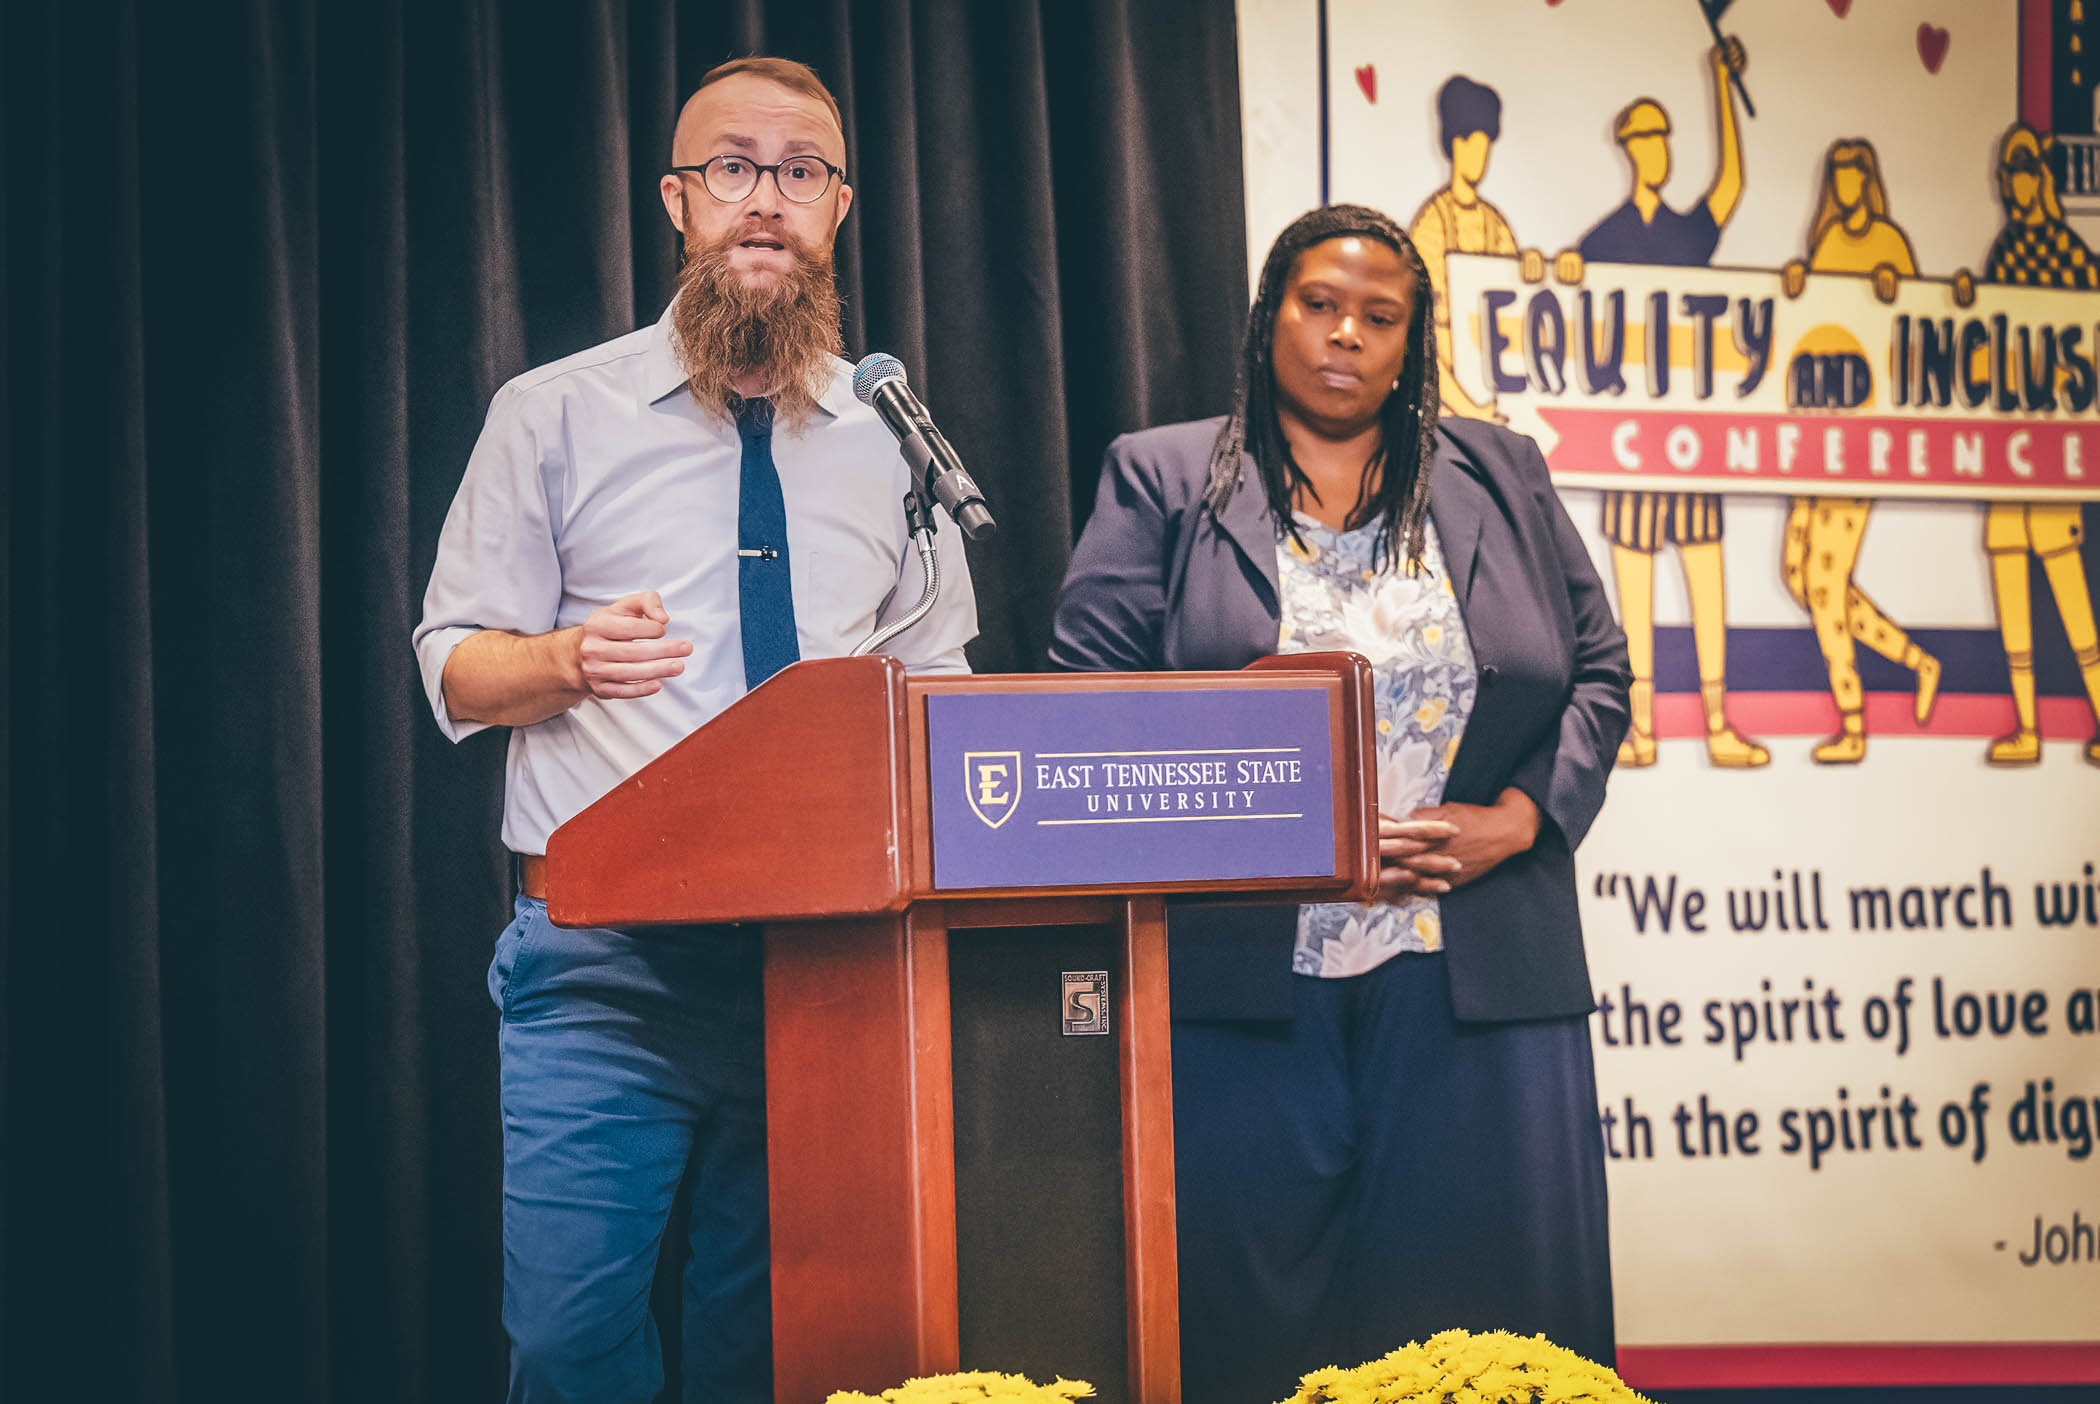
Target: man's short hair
(1464, 107)
(798, 77)
(1641, 117)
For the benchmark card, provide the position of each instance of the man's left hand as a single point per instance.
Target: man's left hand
(1487, 834)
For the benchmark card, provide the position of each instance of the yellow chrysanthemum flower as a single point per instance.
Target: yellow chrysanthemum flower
(1430, 713)
(1430, 930)
(972, 1386)
(1457, 1367)
(1433, 635)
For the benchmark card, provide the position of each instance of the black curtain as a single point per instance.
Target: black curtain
(264, 266)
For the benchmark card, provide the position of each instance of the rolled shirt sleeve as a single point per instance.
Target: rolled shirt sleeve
(496, 562)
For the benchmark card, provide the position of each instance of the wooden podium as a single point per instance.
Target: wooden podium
(893, 1000)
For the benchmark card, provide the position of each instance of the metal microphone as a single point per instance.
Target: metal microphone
(879, 382)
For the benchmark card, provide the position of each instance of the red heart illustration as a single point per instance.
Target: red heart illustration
(1367, 79)
(1932, 46)
(1840, 8)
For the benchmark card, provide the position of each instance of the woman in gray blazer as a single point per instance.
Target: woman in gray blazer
(1385, 1114)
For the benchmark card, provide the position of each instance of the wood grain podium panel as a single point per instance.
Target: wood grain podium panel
(860, 1143)
(1144, 1034)
(722, 823)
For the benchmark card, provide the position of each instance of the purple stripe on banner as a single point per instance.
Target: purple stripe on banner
(1789, 660)
(1679, 715)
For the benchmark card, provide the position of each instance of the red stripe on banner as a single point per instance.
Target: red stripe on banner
(1679, 715)
(1826, 454)
(1796, 1366)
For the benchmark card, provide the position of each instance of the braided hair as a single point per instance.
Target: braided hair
(1399, 467)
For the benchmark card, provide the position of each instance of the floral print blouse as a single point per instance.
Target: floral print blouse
(1410, 629)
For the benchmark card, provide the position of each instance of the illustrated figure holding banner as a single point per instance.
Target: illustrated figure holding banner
(1458, 219)
(2037, 249)
(1851, 233)
(1638, 524)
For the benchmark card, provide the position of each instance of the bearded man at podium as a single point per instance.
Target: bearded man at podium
(647, 530)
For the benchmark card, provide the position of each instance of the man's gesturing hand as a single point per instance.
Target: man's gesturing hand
(623, 649)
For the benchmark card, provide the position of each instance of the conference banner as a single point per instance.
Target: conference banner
(1798, 298)
(1718, 380)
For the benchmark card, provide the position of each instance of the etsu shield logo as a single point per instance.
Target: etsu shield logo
(992, 782)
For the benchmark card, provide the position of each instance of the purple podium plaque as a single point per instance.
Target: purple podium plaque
(1060, 789)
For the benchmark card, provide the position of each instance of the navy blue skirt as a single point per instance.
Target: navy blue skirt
(1373, 1172)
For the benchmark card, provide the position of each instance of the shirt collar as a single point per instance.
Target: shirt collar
(661, 373)
(838, 397)
(662, 376)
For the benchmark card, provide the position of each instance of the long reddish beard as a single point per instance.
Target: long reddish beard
(782, 331)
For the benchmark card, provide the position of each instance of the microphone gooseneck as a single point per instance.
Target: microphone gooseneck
(918, 518)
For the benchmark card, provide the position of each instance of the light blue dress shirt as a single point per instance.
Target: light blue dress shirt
(598, 476)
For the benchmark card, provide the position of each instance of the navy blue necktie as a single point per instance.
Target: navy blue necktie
(765, 594)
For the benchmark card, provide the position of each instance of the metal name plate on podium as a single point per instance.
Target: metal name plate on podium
(1050, 789)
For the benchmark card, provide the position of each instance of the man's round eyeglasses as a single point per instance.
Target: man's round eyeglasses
(802, 179)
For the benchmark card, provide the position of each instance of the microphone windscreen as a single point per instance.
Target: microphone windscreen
(875, 369)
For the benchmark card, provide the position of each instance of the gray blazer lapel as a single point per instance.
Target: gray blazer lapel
(1247, 523)
(1458, 505)
(1223, 597)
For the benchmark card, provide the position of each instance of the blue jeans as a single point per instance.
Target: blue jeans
(632, 1069)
